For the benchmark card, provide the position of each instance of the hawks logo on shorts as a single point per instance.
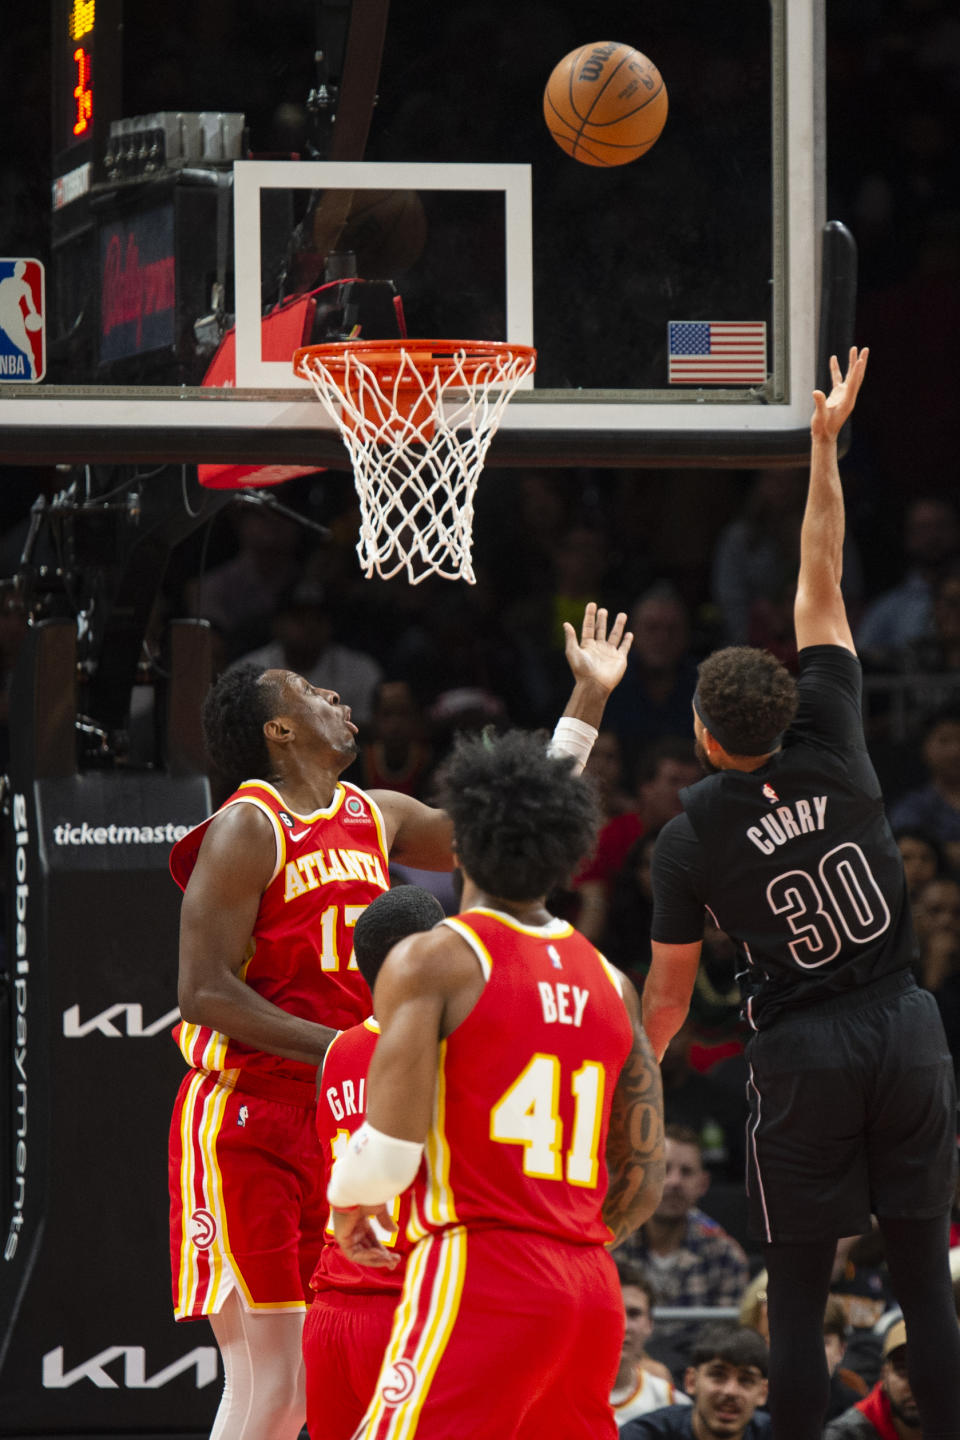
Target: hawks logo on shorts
(203, 1229)
(399, 1383)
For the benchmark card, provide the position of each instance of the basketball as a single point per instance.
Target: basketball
(33, 322)
(605, 104)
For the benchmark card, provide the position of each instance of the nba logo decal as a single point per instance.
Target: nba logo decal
(23, 350)
(770, 794)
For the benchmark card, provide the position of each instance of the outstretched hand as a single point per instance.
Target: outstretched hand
(832, 411)
(598, 657)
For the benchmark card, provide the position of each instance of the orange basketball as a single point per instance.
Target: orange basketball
(605, 103)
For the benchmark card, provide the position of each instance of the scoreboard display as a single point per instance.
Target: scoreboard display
(86, 79)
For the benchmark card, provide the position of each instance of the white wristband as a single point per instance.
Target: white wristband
(374, 1168)
(573, 737)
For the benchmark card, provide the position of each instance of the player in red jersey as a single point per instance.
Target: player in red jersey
(273, 884)
(513, 1081)
(348, 1325)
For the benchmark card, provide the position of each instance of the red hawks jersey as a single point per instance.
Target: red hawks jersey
(329, 866)
(340, 1111)
(525, 1085)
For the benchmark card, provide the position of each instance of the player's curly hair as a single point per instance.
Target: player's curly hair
(235, 710)
(522, 819)
(749, 694)
(402, 911)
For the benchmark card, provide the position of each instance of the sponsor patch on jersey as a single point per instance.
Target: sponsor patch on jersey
(770, 794)
(353, 810)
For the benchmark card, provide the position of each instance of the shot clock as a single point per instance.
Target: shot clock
(86, 75)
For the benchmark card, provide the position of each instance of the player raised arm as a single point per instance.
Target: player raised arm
(820, 616)
(635, 1154)
(420, 835)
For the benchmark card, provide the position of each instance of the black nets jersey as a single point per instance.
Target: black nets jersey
(796, 860)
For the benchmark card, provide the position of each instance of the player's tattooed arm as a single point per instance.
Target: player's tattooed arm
(636, 1167)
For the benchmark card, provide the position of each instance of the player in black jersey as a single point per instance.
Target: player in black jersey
(851, 1083)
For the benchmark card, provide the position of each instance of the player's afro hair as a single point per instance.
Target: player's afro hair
(402, 911)
(749, 694)
(236, 708)
(522, 820)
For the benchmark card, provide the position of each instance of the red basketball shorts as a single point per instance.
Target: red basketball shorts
(247, 1205)
(344, 1339)
(501, 1333)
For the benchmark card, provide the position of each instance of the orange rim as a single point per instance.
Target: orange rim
(442, 357)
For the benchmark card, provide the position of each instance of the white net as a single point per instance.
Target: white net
(417, 421)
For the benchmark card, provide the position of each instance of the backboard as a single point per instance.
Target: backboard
(210, 191)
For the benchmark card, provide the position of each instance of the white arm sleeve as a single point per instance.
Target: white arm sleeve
(374, 1169)
(573, 737)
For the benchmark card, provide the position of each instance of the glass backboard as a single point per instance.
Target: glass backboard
(206, 211)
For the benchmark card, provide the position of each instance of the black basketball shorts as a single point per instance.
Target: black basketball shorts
(853, 1112)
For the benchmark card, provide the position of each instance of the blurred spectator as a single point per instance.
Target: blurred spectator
(861, 1283)
(937, 920)
(241, 596)
(716, 1001)
(755, 562)
(397, 756)
(691, 1259)
(753, 1306)
(642, 1384)
(606, 770)
(936, 914)
(626, 933)
(713, 1113)
(889, 1411)
(846, 1386)
(655, 695)
(923, 858)
(303, 632)
(668, 765)
(935, 806)
(576, 574)
(727, 1382)
(459, 641)
(937, 651)
(904, 613)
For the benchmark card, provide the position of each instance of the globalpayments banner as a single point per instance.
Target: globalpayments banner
(88, 1074)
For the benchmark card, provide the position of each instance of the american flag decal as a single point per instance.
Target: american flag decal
(717, 352)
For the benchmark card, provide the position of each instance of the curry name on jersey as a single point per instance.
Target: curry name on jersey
(525, 1086)
(329, 866)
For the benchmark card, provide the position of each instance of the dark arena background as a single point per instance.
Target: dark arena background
(158, 435)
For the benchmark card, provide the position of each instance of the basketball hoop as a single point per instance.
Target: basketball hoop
(417, 418)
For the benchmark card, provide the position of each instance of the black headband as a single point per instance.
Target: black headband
(723, 737)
